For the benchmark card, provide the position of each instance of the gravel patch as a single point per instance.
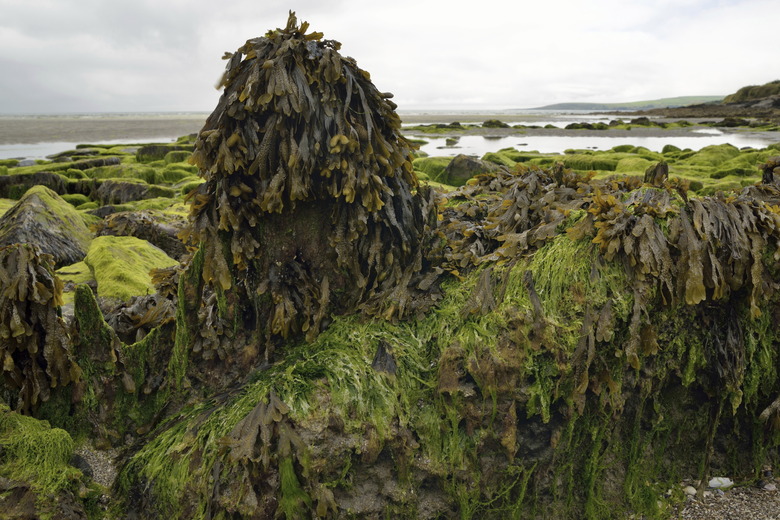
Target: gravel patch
(741, 503)
(100, 463)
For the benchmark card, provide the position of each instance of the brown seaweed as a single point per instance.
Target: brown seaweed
(34, 342)
(310, 205)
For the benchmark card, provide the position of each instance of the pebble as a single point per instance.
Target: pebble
(690, 490)
(720, 483)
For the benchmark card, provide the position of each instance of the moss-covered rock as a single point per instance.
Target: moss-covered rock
(121, 266)
(16, 185)
(36, 478)
(42, 218)
(156, 152)
(433, 166)
(462, 168)
(177, 156)
(159, 228)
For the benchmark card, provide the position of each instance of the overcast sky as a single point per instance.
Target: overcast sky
(64, 56)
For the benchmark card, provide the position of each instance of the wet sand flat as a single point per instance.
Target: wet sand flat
(87, 129)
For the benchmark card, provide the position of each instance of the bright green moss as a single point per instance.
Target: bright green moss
(634, 165)
(500, 159)
(583, 162)
(433, 166)
(714, 155)
(5, 205)
(121, 266)
(78, 273)
(33, 451)
(75, 199)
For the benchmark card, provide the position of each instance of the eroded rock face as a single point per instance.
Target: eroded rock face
(42, 218)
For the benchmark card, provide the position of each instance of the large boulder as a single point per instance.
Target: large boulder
(43, 218)
(463, 167)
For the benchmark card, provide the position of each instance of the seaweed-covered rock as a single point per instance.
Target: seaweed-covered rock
(656, 174)
(770, 170)
(121, 266)
(34, 343)
(42, 218)
(310, 206)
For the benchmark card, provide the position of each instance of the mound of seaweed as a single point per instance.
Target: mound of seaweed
(34, 344)
(310, 206)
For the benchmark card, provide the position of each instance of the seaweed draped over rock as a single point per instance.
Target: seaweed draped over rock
(603, 343)
(310, 205)
(34, 343)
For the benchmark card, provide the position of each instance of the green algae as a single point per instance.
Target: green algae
(432, 166)
(121, 266)
(5, 205)
(35, 452)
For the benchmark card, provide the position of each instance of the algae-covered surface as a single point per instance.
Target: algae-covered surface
(565, 336)
(121, 265)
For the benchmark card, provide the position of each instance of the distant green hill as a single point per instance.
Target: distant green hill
(636, 105)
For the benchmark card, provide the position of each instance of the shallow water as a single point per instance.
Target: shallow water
(480, 145)
(36, 137)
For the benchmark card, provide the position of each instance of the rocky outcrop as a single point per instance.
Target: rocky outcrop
(42, 218)
(756, 102)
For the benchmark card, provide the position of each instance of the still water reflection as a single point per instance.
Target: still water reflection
(480, 145)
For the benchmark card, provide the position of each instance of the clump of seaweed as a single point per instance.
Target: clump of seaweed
(310, 205)
(34, 342)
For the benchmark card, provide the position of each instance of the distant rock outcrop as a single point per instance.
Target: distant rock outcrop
(759, 102)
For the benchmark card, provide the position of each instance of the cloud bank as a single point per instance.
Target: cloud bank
(68, 56)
